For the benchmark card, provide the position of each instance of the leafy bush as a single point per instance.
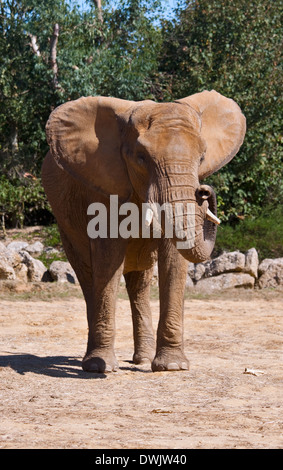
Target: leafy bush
(22, 200)
(51, 236)
(264, 233)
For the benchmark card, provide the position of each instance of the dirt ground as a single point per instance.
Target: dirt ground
(48, 402)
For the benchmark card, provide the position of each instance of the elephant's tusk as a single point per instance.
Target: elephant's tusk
(210, 216)
(148, 216)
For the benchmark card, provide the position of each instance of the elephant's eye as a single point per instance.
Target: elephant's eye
(202, 158)
(141, 158)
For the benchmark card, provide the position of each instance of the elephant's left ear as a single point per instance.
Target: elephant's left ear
(223, 127)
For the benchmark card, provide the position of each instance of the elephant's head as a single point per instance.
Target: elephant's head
(158, 151)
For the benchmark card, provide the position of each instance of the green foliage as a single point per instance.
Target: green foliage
(265, 233)
(20, 199)
(235, 48)
(51, 236)
(115, 57)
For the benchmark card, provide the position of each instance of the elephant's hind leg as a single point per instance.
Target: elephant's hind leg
(138, 287)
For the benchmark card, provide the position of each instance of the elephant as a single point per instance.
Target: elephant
(143, 153)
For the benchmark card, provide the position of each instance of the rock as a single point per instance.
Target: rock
(225, 281)
(49, 250)
(227, 262)
(11, 267)
(251, 262)
(36, 269)
(15, 260)
(271, 273)
(17, 246)
(267, 263)
(201, 270)
(7, 272)
(2, 247)
(35, 248)
(62, 271)
(21, 271)
(12, 257)
(191, 270)
(189, 282)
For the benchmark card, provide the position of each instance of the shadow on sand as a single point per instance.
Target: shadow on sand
(53, 366)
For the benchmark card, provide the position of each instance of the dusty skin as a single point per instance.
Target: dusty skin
(47, 401)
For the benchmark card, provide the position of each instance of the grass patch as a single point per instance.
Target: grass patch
(48, 258)
(51, 238)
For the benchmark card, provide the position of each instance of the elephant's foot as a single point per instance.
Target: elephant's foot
(145, 352)
(100, 361)
(168, 359)
(142, 358)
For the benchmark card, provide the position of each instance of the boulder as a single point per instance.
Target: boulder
(15, 260)
(17, 246)
(62, 271)
(225, 281)
(21, 271)
(36, 271)
(251, 262)
(49, 250)
(11, 267)
(189, 282)
(270, 273)
(2, 247)
(35, 248)
(201, 270)
(7, 272)
(12, 257)
(227, 262)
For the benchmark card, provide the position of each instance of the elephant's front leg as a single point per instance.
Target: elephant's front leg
(172, 269)
(107, 265)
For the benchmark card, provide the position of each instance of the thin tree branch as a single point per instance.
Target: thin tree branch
(53, 54)
(34, 45)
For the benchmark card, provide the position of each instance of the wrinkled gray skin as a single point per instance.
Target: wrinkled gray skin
(143, 152)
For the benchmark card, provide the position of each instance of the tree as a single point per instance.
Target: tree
(235, 48)
(51, 53)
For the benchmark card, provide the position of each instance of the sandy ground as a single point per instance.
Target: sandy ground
(47, 401)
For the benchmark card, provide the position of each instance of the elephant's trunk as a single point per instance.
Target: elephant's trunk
(205, 230)
(195, 236)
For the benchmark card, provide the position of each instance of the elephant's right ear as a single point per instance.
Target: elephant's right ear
(85, 139)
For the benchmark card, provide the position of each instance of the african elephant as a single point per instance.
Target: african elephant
(144, 153)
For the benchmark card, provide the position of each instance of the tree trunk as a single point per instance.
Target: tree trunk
(14, 139)
(98, 6)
